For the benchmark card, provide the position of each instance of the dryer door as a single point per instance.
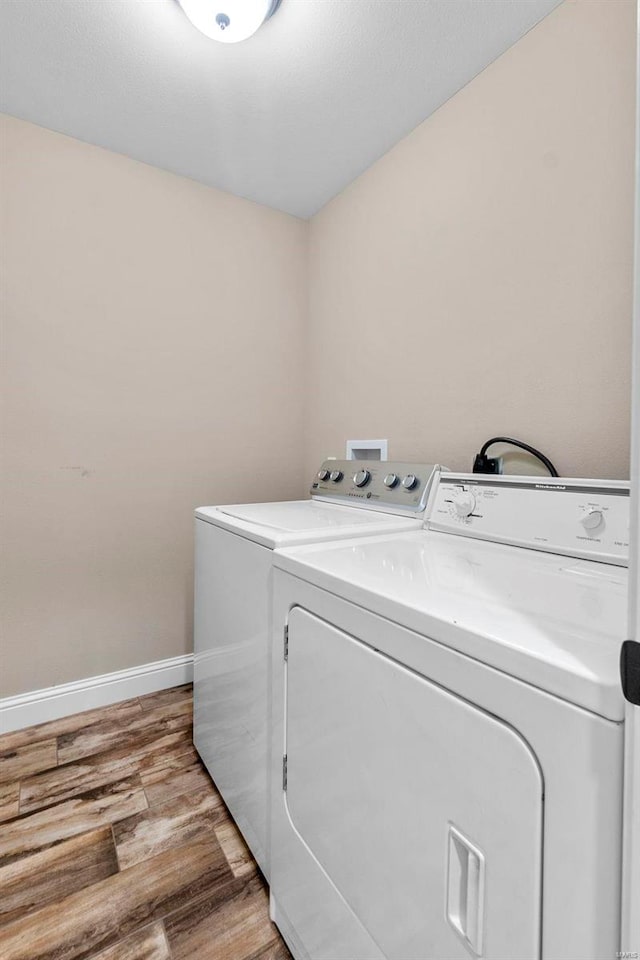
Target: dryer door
(421, 813)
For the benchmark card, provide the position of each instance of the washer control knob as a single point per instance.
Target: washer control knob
(592, 519)
(361, 478)
(391, 480)
(464, 503)
(323, 474)
(336, 475)
(410, 481)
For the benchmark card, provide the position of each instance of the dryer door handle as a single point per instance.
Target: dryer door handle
(465, 889)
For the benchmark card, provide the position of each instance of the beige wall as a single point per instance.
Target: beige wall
(152, 343)
(477, 279)
(159, 341)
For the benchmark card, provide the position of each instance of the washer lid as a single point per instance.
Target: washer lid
(302, 521)
(554, 622)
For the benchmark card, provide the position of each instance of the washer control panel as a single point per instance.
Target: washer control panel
(575, 518)
(392, 486)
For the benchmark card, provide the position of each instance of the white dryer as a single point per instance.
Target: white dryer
(234, 548)
(448, 730)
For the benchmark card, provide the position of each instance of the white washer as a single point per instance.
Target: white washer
(448, 730)
(234, 549)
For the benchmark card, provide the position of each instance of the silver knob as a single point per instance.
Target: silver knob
(410, 481)
(361, 478)
(323, 474)
(336, 475)
(391, 480)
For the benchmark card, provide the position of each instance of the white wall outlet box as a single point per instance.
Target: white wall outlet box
(366, 449)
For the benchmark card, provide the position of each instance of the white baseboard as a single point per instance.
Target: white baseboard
(38, 706)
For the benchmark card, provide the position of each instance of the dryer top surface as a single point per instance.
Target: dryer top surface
(554, 622)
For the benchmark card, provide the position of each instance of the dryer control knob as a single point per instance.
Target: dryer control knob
(410, 481)
(391, 480)
(592, 519)
(323, 474)
(464, 503)
(361, 478)
(336, 475)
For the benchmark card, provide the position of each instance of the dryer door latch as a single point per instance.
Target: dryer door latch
(630, 671)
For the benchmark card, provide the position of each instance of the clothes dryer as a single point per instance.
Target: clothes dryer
(234, 548)
(448, 730)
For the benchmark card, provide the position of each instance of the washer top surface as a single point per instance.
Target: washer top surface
(552, 621)
(300, 521)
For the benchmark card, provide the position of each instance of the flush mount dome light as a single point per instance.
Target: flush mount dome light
(229, 20)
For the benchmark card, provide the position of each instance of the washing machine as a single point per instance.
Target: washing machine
(448, 730)
(234, 547)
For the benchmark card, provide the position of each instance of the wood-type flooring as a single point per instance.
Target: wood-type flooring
(116, 845)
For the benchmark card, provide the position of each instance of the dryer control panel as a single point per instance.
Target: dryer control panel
(575, 518)
(390, 485)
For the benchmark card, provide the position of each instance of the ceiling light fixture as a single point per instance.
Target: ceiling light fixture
(229, 20)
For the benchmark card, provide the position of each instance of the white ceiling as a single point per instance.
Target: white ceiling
(287, 118)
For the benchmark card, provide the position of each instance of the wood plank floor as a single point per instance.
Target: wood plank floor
(115, 844)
